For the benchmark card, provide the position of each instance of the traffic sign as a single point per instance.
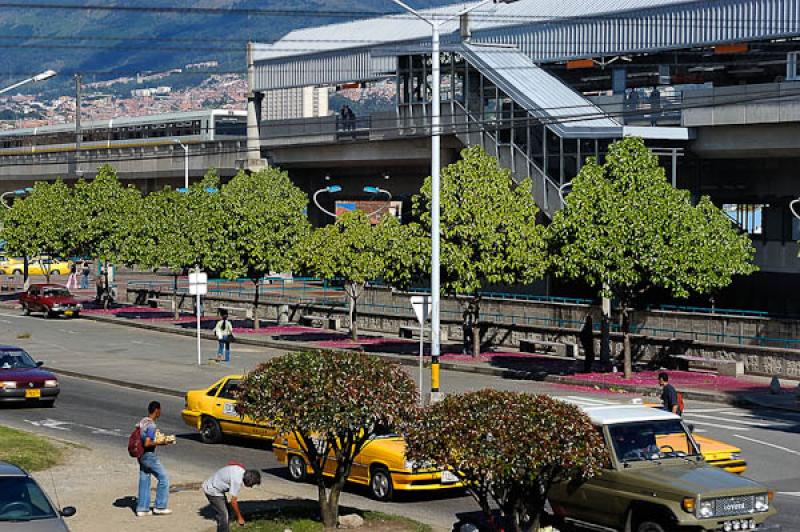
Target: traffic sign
(422, 307)
(198, 283)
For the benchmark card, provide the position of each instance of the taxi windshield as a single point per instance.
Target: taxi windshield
(16, 359)
(651, 440)
(21, 499)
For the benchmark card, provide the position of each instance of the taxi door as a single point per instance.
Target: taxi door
(230, 421)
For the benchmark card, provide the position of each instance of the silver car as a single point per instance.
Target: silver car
(24, 506)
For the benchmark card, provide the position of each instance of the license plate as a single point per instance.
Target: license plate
(68, 313)
(448, 477)
(33, 394)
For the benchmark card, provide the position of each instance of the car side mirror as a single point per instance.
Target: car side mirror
(68, 511)
(39, 364)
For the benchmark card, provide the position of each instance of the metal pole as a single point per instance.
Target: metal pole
(421, 354)
(185, 165)
(435, 186)
(197, 310)
(78, 134)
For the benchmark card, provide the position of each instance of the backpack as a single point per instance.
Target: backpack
(680, 403)
(135, 444)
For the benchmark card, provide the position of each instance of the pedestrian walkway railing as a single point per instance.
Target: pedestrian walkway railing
(295, 289)
(713, 310)
(521, 297)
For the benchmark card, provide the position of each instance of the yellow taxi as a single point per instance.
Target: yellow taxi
(381, 466)
(36, 266)
(715, 452)
(212, 411)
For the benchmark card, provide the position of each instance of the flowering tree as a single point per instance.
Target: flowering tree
(508, 448)
(334, 404)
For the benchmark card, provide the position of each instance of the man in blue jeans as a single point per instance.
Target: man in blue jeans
(149, 464)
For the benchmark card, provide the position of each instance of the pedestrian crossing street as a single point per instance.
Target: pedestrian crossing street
(722, 417)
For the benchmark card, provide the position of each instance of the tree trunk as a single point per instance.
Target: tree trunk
(255, 304)
(626, 342)
(176, 310)
(476, 329)
(353, 291)
(329, 505)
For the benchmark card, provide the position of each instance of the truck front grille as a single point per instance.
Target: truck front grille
(725, 506)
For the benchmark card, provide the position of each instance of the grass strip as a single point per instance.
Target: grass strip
(28, 451)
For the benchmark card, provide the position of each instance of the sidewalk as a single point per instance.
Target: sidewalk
(253, 346)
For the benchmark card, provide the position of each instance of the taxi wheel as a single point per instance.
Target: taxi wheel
(210, 432)
(55, 272)
(17, 272)
(297, 468)
(26, 310)
(380, 484)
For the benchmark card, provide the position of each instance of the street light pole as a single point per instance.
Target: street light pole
(185, 162)
(435, 183)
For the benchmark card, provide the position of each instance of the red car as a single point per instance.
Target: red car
(22, 379)
(51, 299)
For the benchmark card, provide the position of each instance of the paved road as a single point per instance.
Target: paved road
(103, 413)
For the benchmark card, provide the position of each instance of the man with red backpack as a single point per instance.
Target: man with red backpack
(670, 397)
(142, 446)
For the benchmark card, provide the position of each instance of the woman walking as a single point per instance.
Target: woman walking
(72, 281)
(223, 330)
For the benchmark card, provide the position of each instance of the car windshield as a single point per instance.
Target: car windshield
(15, 359)
(21, 499)
(56, 292)
(651, 440)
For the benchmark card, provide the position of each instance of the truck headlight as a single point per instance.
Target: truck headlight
(705, 509)
(8, 385)
(51, 383)
(736, 456)
(762, 502)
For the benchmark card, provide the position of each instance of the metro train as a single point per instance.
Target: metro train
(189, 127)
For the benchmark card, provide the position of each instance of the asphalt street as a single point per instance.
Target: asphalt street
(102, 415)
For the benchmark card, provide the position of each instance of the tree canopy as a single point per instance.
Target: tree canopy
(334, 403)
(624, 226)
(508, 448)
(489, 233)
(356, 251)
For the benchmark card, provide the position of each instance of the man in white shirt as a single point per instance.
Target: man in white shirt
(229, 479)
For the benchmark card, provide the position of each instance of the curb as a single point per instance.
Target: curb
(123, 384)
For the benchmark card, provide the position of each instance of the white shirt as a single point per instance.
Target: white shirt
(229, 479)
(222, 329)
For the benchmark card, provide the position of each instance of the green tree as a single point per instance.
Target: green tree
(489, 233)
(265, 221)
(334, 404)
(626, 228)
(104, 209)
(178, 230)
(42, 223)
(356, 251)
(508, 448)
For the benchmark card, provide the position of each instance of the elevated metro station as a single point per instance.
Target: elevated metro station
(713, 87)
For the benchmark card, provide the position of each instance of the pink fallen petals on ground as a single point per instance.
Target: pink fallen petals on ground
(277, 329)
(679, 379)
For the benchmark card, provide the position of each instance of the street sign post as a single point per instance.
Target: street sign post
(422, 309)
(198, 286)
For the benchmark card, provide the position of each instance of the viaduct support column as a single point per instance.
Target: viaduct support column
(254, 161)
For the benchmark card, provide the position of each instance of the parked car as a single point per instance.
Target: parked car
(657, 480)
(23, 379)
(25, 506)
(50, 299)
(381, 466)
(36, 266)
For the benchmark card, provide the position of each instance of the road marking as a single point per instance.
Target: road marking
(705, 410)
(774, 446)
(716, 425)
(50, 424)
(790, 493)
(740, 421)
(578, 398)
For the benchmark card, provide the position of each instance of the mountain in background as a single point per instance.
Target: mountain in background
(86, 40)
